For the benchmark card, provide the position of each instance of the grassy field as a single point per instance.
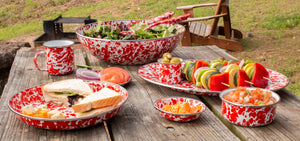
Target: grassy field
(270, 28)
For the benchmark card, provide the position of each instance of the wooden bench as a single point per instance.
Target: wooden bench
(200, 33)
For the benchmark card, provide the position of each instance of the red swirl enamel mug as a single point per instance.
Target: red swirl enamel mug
(169, 73)
(59, 57)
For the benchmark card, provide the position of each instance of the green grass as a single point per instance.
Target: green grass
(58, 2)
(280, 22)
(294, 88)
(20, 29)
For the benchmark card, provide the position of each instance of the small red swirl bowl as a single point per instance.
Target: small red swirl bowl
(128, 52)
(35, 97)
(248, 115)
(159, 104)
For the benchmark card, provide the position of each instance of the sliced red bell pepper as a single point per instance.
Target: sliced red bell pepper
(260, 76)
(204, 64)
(199, 63)
(225, 63)
(219, 82)
(242, 79)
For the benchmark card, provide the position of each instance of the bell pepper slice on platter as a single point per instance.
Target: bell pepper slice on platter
(242, 79)
(219, 82)
(260, 76)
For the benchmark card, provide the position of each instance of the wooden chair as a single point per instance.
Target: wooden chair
(201, 33)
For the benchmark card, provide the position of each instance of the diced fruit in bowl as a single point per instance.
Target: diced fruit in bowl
(182, 108)
(248, 106)
(179, 108)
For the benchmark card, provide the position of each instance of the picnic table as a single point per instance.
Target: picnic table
(138, 119)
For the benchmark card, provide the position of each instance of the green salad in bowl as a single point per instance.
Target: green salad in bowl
(135, 32)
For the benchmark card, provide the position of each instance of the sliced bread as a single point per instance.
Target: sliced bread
(103, 98)
(77, 86)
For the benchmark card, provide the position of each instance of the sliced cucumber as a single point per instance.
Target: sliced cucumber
(219, 66)
(235, 79)
(65, 92)
(58, 93)
(187, 63)
(189, 72)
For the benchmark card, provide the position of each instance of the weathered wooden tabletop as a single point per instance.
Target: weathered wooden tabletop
(138, 120)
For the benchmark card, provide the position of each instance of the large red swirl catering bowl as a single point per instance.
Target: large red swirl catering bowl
(128, 52)
(248, 115)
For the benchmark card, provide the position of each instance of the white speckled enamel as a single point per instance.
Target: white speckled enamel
(59, 61)
(245, 115)
(128, 52)
(169, 73)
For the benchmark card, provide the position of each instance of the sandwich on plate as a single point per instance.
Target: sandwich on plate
(66, 92)
(98, 102)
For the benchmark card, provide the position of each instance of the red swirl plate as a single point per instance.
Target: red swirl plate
(149, 72)
(35, 97)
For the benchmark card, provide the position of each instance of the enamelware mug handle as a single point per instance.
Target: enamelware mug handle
(35, 63)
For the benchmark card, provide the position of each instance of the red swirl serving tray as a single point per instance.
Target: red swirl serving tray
(149, 73)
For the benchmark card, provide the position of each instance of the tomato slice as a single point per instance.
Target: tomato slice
(113, 73)
(111, 77)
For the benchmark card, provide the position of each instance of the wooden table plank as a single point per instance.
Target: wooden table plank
(138, 119)
(286, 124)
(24, 75)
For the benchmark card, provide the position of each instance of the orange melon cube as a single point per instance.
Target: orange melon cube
(175, 108)
(184, 108)
(167, 108)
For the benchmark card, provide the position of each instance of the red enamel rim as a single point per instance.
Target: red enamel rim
(225, 92)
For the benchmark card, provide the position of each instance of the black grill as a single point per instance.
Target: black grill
(53, 29)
